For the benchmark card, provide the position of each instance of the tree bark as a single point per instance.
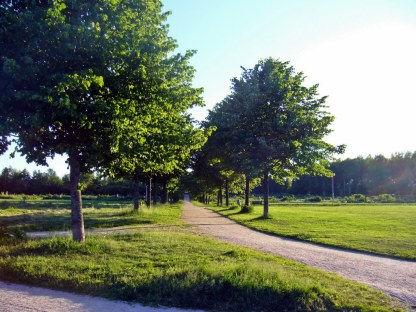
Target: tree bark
(227, 193)
(136, 196)
(77, 219)
(220, 194)
(154, 195)
(265, 183)
(247, 192)
(165, 194)
(149, 192)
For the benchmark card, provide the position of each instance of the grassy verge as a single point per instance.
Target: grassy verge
(172, 266)
(382, 229)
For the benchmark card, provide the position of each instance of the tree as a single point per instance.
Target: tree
(279, 124)
(227, 144)
(77, 75)
(204, 181)
(164, 149)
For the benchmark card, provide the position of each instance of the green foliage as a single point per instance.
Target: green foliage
(287, 198)
(371, 176)
(271, 125)
(314, 199)
(100, 82)
(357, 198)
(384, 198)
(106, 85)
(273, 122)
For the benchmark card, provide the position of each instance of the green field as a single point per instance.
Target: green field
(382, 229)
(170, 265)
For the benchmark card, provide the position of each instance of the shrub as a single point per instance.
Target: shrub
(5, 196)
(357, 198)
(384, 198)
(56, 196)
(288, 198)
(246, 209)
(314, 199)
(257, 202)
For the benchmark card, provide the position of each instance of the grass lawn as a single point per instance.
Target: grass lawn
(383, 229)
(54, 215)
(173, 266)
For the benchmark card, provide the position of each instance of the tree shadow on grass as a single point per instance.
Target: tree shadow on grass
(62, 222)
(192, 288)
(36, 222)
(225, 209)
(58, 204)
(260, 218)
(199, 290)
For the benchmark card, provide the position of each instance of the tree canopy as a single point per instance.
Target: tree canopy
(91, 79)
(273, 125)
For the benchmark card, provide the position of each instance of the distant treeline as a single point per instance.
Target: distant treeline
(14, 181)
(369, 176)
(22, 182)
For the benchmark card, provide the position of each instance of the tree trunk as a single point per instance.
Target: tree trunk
(165, 194)
(136, 196)
(247, 192)
(265, 183)
(227, 193)
(154, 197)
(149, 192)
(77, 219)
(220, 194)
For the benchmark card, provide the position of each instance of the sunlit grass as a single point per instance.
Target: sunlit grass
(44, 218)
(177, 268)
(172, 266)
(384, 229)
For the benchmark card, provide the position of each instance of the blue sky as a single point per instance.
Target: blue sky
(362, 53)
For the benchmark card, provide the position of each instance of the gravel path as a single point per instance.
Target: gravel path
(97, 231)
(19, 298)
(395, 277)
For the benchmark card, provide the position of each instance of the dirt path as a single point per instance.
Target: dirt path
(395, 277)
(19, 298)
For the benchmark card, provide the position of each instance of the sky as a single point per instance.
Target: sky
(360, 52)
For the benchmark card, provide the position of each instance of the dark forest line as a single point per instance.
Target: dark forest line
(372, 175)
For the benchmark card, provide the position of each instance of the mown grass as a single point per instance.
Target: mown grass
(44, 216)
(172, 266)
(377, 228)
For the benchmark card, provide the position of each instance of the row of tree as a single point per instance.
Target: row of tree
(271, 126)
(100, 82)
